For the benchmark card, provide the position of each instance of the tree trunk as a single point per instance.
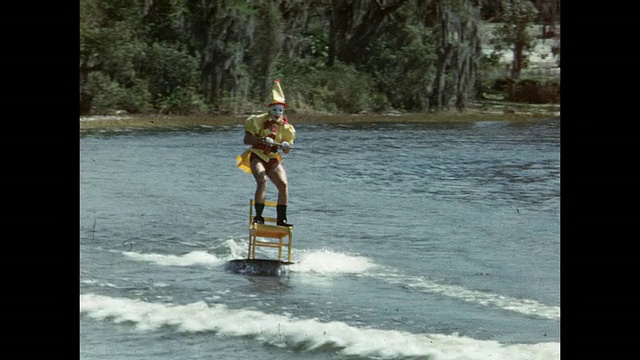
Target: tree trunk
(331, 56)
(469, 53)
(355, 49)
(341, 20)
(86, 97)
(516, 69)
(456, 72)
(440, 97)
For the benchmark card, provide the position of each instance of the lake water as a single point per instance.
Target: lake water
(411, 241)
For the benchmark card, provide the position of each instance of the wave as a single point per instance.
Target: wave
(523, 306)
(189, 259)
(306, 334)
(327, 262)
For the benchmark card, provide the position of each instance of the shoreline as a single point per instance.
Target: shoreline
(169, 121)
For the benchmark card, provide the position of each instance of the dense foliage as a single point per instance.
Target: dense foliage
(220, 56)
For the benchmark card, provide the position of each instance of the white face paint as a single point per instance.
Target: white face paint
(276, 111)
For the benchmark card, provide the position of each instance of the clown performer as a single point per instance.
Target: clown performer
(265, 133)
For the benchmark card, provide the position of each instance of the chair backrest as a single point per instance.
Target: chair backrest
(267, 219)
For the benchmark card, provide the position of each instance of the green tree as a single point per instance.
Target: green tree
(514, 33)
(221, 33)
(404, 63)
(108, 43)
(172, 76)
(164, 21)
(180, 56)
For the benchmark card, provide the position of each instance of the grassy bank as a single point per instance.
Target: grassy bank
(485, 112)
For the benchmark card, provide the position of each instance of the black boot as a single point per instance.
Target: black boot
(282, 216)
(258, 219)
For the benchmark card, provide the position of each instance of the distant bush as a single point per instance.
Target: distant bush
(173, 79)
(501, 84)
(536, 91)
(526, 90)
(181, 102)
(340, 88)
(111, 95)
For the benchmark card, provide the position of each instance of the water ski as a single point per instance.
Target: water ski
(258, 267)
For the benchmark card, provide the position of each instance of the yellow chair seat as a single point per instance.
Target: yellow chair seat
(270, 231)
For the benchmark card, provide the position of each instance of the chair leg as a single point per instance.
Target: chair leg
(289, 250)
(253, 255)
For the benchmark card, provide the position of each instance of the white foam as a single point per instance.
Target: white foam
(329, 262)
(189, 259)
(238, 248)
(321, 261)
(98, 283)
(523, 306)
(307, 334)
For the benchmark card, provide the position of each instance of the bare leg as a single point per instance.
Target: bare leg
(259, 173)
(279, 178)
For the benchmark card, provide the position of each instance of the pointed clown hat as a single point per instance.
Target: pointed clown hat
(277, 95)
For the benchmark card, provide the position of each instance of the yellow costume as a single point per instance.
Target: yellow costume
(263, 126)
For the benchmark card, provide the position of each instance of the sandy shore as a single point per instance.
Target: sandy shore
(134, 121)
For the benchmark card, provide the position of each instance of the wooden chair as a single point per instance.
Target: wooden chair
(270, 234)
